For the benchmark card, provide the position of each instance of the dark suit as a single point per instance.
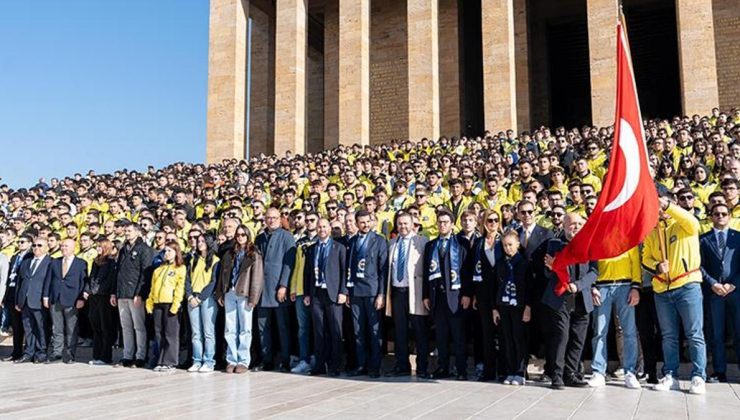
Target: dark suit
(16, 319)
(568, 316)
(278, 250)
(63, 291)
(446, 308)
(364, 291)
(28, 294)
(721, 266)
(326, 312)
(534, 253)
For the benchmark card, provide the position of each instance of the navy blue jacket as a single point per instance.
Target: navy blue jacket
(65, 290)
(376, 266)
(522, 280)
(715, 267)
(534, 253)
(588, 273)
(279, 257)
(484, 290)
(430, 286)
(335, 274)
(30, 287)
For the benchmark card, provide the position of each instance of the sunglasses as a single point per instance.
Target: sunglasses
(686, 197)
(420, 195)
(720, 214)
(332, 208)
(558, 214)
(526, 211)
(492, 220)
(241, 235)
(38, 245)
(312, 220)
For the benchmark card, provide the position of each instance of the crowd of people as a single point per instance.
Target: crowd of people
(335, 258)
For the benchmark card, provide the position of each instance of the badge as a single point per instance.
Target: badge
(433, 266)
(674, 238)
(170, 273)
(478, 267)
(453, 276)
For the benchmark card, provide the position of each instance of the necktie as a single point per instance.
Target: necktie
(526, 238)
(65, 267)
(34, 264)
(721, 242)
(443, 251)
(401, 265)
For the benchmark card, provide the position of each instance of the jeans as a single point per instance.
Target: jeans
(238, 329)
(719, 309)
(682, 306)
(203, 326)
(303, 314)
(4, 317)
(614, 297)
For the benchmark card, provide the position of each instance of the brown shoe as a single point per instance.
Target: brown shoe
(240, 369)
(230, 368)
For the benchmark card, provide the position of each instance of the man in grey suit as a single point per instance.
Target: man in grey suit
(278, 250)
(404, 301)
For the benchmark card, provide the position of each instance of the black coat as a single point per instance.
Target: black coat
(102, 279)
(534, 254)
(134, 271)
(522, 280)
(429, 287)
(335, 274)
(483, 290)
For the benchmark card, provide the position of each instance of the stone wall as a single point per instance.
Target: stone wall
(727, 47)
(262, 100)
(388, 71)
(314, 101)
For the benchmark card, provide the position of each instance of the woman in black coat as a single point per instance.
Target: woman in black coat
(100, 286)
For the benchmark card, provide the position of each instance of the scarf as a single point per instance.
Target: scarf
(478, 269)
(509, 296)
(319, 262)
(435, 271)
(358, 252)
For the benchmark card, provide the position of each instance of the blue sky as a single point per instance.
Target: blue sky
(99, 84)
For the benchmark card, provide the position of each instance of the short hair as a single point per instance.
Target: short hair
(361, 213)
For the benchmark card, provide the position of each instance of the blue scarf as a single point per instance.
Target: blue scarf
(319, 260)
(358, 252)
(435, 271)
(509, 296)
(478, 269)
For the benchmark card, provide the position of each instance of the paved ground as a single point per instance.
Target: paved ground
(80, 391)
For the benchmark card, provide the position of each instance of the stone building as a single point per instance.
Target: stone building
(305, 75)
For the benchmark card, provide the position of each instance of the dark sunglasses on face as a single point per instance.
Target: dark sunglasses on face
(720, 214)
(241, 235)
(526, 211)
(38, 245)
(492, 220)
(558, 214)
(686, 197)
(312, 220)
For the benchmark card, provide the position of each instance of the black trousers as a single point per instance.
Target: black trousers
(348, 330)
(487, 333)
(327, 331)
(16, 323)
(35, 333)
(166, 334)
(265, 323)
(401, 319)
(64, 330)
(514, 334)
(649, 330)
(567, 337)
(449, 325)
(539, 332)
(366, 321)
(103, 329)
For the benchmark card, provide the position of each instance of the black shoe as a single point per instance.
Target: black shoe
(717, 378)
(69, 360)
(557, 383)
(576, 382)
(398, 372)
(374, 374)
(317, 372)
(124, 363)
(24, 359)
(40, 361)
(333, 373)
(441, 374)
(10, 358)
(484, 378)
(544, 378)
(422, 375)
(462, 377)
(357, 372)
(282, 369)
(139, 363)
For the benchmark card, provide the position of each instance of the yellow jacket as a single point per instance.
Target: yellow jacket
(296, 279)
(620, 268)
(200, 277)
(681, 233)
(168, 286)
(89, 256)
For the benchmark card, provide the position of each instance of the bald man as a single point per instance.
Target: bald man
(569, 313)
(63, 296)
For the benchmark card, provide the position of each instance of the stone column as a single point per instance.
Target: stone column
(449, 68)
(521, 44)
(331, 73)
(696, 56)
(354, 72)
(499, 66)
(602, 18)
(290, 76)
(423, 68)
(262, 100)
(227, 61)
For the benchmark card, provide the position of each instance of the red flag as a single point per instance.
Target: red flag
(627, 209)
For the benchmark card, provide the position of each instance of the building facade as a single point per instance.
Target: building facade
(306, 75)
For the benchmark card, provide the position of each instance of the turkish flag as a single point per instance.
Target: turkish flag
(627, 209)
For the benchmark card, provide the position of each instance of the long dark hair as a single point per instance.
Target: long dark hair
(211, 250)
(249, 246)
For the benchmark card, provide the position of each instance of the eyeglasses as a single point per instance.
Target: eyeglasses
(558, 214)
(420, 195)
(526, 211)
(409, 173)
(686, 197)
(331, 208)
(720, 214)
(38, 245)
(492, 220)
(241, 235)
(312, 220)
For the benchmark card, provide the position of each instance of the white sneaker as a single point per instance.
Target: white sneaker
(508, 380)
(205, 369)
(518, 381)
(597, 380)
(195, 368)
(667, 383)
(619, 373)
(631, 381)
(698, 386)
(301, 367)
(158, 368)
